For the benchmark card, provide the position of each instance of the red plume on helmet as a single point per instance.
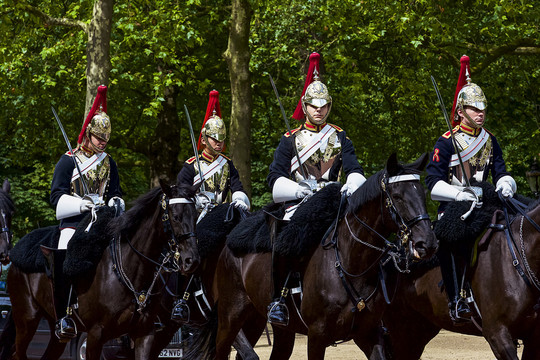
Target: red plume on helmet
(464, 72)
(313, 65)
(213, 104)
(101, 100)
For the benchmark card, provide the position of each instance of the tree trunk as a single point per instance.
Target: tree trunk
(164, 150)
(238, 56)
(98, 62)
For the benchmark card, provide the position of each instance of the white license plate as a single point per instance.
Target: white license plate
(170, 353)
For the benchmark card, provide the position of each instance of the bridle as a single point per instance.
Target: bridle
(4, 228)
(391, 249)
(169, 261)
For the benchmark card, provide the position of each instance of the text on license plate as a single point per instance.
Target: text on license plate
(170, 353)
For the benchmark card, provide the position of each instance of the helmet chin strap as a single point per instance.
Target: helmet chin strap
(310, 118)
(472, 123)
(93, 147)
(209, 147)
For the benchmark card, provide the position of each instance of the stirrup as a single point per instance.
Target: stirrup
(278, 313)
(180, 311)
(65, 329)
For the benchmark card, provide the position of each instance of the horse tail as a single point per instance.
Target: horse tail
(7, 339)
(202, 345)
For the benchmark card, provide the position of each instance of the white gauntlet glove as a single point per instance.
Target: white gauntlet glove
(465, 196)
(240, 200)
(354, 181)
(303, 190)
(121, 202)
(86, 205)
(507, 186)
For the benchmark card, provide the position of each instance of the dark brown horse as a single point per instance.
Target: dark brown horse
(119, 297)
(343, 297)
(196, 291)
(7, 208)
(509, 303)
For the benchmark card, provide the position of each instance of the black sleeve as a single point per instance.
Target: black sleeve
(350, 161)
(114, 181)
(236, 184)
(281, 165)
(61, 182)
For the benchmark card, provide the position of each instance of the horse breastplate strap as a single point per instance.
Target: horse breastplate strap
(95, 169)
(477, 153)
(318, 152)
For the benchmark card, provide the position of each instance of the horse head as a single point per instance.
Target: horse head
(7, 208)
(183, 217)
(406, 202)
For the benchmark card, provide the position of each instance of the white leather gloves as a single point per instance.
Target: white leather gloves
(465, 196)
(303, 190)
(86, 205)
(507, 186)
(121, 203)
(240, 200)
(286, 190)
(354, 181)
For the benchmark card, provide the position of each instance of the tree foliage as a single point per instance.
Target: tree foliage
(377, 58)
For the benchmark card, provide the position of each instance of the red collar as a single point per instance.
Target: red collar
(312, 127)
(206, 156)
(469, 130)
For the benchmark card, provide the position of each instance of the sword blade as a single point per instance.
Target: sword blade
(194, 144)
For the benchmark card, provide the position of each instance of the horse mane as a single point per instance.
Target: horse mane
(6, 202)
(533, 205)
(371, 189)
(144, 206)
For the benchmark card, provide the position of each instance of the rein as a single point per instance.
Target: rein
(389, 248)
(531, 280)
(173, 253)
(4, 227)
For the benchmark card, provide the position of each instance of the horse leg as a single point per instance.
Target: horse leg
(94, 344)
(372, 343)
(283, 343)
(316, 346)
(26, 328)
(54, 348)
(230, 321)
(143, 346)
(531, 346)
(501, 343)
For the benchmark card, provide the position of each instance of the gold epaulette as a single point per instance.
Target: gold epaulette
(336, 127)
(226, 157)
(190, 160)
(292, 131)
(446, 135)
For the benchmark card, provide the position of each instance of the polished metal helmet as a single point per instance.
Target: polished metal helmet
(471, 95)
(316, 94)
(214, 128)
(100, 126)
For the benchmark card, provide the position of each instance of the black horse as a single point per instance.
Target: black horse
(7, 208)
(118, 295)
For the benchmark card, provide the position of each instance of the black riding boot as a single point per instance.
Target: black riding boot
(278, 313)
(459, 310)
(65, 328)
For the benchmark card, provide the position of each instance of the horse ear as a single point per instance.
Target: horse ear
(392, 165)
(6, 186)
(421, 162)
(165, 187)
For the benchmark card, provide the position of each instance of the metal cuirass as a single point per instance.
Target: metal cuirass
(475, 167)
(320, 162)
(217, 182)
(97, 178)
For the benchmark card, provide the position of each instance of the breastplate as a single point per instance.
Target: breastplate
(97, 179)
(320, 162)
(217, 183)
(476, 167)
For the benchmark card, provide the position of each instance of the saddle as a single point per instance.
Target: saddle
(84, 249)
(294, 239)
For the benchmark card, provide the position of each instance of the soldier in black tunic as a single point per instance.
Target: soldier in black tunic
(324, 151)
(481, 155)
(71, 201)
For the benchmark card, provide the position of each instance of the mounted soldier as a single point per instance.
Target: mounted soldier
(83, 179)
(449, 173)
(307, 158)
(214, 172)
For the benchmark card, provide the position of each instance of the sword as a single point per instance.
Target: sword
(194, 147)
(468, 187)
(85, 187)
(456, 148)
(288, 128)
